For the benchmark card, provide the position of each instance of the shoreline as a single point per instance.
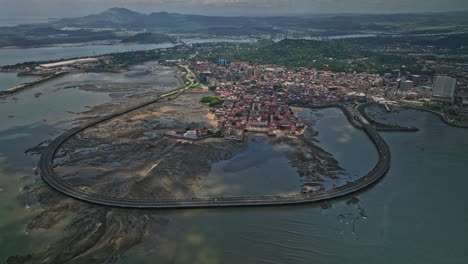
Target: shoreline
(46, 167)
(79, 44)
(12, 90)
(111, 42)
(21, 87)
(380, 126)
(442, 116)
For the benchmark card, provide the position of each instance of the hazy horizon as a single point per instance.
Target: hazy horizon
(71, 8)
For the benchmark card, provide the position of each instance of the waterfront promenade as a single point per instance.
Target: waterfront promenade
(47, 172)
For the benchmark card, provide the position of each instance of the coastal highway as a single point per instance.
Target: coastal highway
(46, 168)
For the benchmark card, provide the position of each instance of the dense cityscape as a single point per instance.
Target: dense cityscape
(258, 98)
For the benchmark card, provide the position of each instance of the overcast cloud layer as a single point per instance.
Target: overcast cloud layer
(67, 8)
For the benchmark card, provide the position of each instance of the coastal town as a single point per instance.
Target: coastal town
(259, 98)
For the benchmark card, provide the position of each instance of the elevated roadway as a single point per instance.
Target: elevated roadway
(46, 167)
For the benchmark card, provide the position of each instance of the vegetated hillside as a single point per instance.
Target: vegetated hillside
(458, 41)
(447, 41)
(335, 56)
(124, 18)
(306, 53)
(288, 52)
(228, 31)
(91, 28)
(114, 17)
(302, 52)
(216, 25)
(32, 35)
(150, 38)
(121, 17)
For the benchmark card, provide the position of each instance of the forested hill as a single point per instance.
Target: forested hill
(151, 38)
(289, 52)
(328, 55)
(125, 18)
(300, 51)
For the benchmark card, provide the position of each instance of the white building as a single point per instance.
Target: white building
(444, 89)
(191, 134)
(67, 63)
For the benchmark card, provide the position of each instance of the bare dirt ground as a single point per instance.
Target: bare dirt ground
(129, 156)
(95, 234)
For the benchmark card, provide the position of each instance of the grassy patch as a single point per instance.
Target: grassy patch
(172, 96)
(212, 101)
(461, 122)
(196, 87)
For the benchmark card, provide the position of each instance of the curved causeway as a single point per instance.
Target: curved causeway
(47, 172)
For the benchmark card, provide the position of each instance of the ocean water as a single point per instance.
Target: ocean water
(9, 56)
(415, 214)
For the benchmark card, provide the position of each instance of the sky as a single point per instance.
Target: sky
(70, 8)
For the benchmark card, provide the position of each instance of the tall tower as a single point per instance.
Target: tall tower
(405, 85)
(444, 89)
(222, 62)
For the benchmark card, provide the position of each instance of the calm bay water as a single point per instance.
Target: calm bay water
(416, 214)
(8, 80)
(10, 56)
(260, 169)
(343, 140)
(214, 40)
(11, 21)
(25, 121)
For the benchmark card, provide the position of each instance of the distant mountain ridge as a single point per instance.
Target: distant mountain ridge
(117, 24)
(111, 17)
(122, 17)
(125, 18)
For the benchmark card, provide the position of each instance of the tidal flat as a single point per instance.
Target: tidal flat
(130, 157)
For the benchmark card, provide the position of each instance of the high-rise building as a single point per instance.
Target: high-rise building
(396, 73)
(405, 85)
(444, 89)
(222, 62)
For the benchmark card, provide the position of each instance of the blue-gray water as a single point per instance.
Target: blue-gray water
(11, 21)
(25, 121)
(260, 169)
(343, 140)
(9, 56)
(8, 80)
(416, 214)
